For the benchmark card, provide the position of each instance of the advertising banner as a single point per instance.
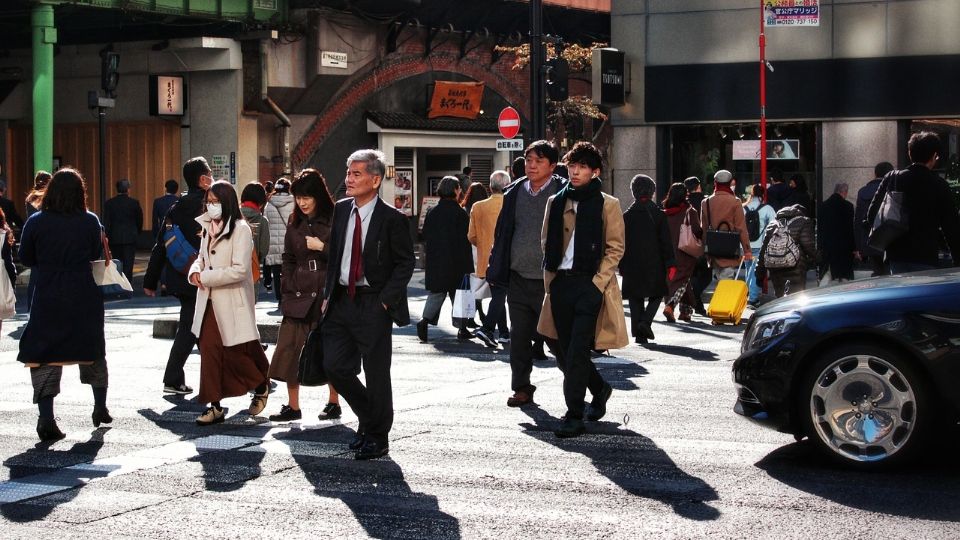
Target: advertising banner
(791, 12)
(776, 149)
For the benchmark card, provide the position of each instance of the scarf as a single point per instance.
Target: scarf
(718, 187)
(674, 210)
(251, 205)
(588, 240)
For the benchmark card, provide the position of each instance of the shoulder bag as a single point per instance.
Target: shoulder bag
(718, 243)
(689, 243)
(106, 272)
(892, 220)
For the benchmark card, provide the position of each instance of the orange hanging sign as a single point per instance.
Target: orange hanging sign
(457, 99)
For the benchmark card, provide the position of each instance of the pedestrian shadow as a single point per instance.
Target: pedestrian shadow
(375, 491)
(49, 471)
(926, 490)
(219, 474)
(633, 462)
(621, 376)
(449, 345)
(701, 355)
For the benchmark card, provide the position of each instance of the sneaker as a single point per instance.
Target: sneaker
(504, 338)
(331, 412)
(258, 403)
(486, 336)
(180, 389)
(210, 416)
(287, 414)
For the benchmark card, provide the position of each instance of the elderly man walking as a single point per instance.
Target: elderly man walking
(483, 225)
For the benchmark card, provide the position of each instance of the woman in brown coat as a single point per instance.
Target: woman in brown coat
(679, 289)
(304, 271)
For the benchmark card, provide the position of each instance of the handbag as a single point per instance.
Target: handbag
(180, 253)
(106, 272)
(8, 299)
(464, 304)
(689, 243)
(310, 370)
(480, 287)
(718, 243)
(892, 220)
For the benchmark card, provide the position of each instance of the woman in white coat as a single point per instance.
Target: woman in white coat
(231, 359)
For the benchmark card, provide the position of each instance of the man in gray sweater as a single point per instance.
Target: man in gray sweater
(516, 261)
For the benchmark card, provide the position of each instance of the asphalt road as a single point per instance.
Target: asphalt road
(670, 459)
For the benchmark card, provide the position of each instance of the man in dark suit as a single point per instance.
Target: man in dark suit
(123, 221)
(370, 265)
(197, 175)
(162, 204)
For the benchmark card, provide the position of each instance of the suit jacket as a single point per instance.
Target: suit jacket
(123, 219)
(387, 256)
(160, 207)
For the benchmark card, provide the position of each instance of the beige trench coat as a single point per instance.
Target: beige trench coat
(611, 331)
(226, 273)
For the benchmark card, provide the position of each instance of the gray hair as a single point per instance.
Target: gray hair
(376, 161)
(841, 187)
(723, 176)
(499, 180)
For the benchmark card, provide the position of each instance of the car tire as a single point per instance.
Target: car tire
(865, 406)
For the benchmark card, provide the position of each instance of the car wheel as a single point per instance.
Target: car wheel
(865, 406)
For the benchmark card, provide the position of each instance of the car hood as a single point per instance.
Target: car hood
(913, 285)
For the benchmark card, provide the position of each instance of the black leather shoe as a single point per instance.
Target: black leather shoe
(48, 430)
(358, 441)
(570, 427)
(372, 450)
(331, 412)
(598, 407)
(101, 416)
(647, 331)
(422, 330)
(464, 335)
(536, 352)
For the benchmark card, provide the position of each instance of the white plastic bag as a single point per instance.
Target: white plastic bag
(480, 287)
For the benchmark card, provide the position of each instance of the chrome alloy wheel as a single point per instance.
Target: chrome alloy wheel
(863, 408)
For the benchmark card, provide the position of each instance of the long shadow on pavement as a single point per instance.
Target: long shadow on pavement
(633, 462)
(702, 355)
(42, 466)
(926, 490)
(375, 491)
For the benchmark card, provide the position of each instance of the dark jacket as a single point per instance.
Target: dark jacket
(66, 318)
(123, 219)
(860, 225)
(183, 214)
(6, 253)
(648, 251)
(932, 213)
(10, 212)
(498, 271)
(777, 195)
(304, 271)
(799, 196)
(160, 207)
(448, 251)
(835, 236)
(387, 256)
(803, 231)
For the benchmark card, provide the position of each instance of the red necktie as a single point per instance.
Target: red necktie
(356, 256)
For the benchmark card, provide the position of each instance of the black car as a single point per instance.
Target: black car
(868, 370)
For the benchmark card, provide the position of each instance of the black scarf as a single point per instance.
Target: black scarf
(588, 240)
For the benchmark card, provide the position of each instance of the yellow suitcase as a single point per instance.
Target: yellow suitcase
(729, 300)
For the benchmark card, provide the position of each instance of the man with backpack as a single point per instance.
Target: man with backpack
(789, 249)
(757, 215)
(182, 216)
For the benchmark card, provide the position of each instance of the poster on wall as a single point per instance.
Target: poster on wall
(791, 12)
(427, 204)
(403, 191)
(776, 149)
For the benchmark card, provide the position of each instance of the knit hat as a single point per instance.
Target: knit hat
(723, 176)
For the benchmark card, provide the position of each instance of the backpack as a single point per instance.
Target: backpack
(753, 223)
(782, 251)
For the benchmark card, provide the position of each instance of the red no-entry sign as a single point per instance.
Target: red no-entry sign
(509, 123)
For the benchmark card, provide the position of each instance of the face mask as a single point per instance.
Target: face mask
(214, 211)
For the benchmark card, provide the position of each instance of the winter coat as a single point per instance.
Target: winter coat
(611, 329)
(225, 266)
(66, 318)
(277, 211)
(803, 231)
(724, 207)
(122, 219)
(686, 264)
(932, 213)
(304, 270)
(260, 229)
(648, 251)
(777, 195)
(483, 223)
(860, 225)
(835, 237)
(183, 214)
(447, 250)
(767, 214)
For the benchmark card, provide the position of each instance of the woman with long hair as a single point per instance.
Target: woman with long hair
(231, 358)
(33, 202)
(66, 323)
(680, 295)
(475, 193)
(305, 255)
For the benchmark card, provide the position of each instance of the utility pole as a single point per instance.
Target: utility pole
(44, 37)
(763, 105)
(538, 109)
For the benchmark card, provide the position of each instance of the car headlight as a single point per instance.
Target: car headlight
(767, 328)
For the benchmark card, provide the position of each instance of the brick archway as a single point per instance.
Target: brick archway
(397, 69)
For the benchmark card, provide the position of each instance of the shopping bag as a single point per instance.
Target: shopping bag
(464, 304)
(480, 287)
(106, 272)
(689, 243)
(891, 221)
(310, 371)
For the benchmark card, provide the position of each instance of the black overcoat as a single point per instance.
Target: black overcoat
(648, 251)
(835, 236)
(448, 251)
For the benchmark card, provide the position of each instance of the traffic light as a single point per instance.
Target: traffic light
(109, 72)
(557, 75)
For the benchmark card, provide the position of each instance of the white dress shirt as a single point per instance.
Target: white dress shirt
(365, 212)
(567, 262)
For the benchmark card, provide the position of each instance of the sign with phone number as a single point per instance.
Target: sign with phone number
(791, 12)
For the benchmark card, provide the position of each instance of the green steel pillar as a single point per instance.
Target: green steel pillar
(44, 36)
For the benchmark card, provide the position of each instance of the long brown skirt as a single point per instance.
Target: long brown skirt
(286, 357)
(227, 371)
